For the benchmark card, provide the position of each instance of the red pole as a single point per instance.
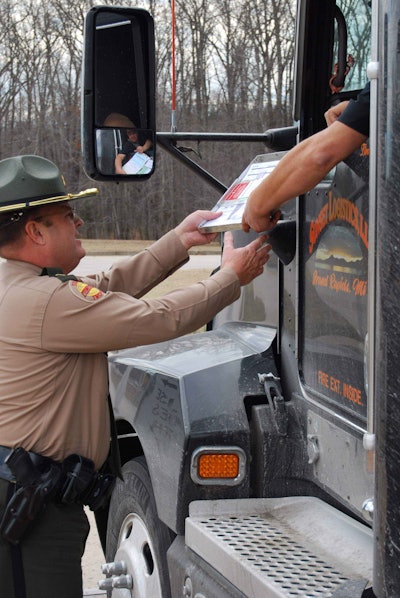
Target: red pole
(173, 122)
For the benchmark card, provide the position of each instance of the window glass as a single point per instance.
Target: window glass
(334, 258)
(357, 15)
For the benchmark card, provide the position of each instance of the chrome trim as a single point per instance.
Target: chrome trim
(329, 411)
(373, 74)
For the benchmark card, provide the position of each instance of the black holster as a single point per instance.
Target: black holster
(37, 483)
(33, 489)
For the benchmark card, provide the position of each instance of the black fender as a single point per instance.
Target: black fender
(187, 393)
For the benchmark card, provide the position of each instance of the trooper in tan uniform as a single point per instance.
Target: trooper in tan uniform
(54, 335)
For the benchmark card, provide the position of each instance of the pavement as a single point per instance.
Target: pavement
(96, 263)
(92, 561)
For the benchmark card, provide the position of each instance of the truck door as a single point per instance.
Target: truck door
(329, 336)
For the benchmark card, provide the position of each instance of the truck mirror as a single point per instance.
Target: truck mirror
(118, 94)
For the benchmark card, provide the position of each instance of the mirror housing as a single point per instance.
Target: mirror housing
(118, 94)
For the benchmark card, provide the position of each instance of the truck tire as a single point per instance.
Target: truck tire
(137, 536)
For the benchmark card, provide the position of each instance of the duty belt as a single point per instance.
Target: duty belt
(39, 480)
(5, 473)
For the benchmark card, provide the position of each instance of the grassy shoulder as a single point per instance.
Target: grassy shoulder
(126, 247)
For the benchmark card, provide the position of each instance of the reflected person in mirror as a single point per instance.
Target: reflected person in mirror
(133, 145)
(56, 428)
(136, 143)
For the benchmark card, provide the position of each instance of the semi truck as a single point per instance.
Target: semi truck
(261, 456)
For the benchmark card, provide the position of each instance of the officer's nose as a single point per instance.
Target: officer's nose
(78, 221)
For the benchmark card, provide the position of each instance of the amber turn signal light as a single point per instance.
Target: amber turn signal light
(224, 465)
(218, 465)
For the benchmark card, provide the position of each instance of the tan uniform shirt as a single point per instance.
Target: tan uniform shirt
(54, 336)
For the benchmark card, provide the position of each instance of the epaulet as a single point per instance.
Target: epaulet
(79, 288)
(65, 277)
(58, 274)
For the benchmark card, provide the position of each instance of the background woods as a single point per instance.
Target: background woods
(234, 73)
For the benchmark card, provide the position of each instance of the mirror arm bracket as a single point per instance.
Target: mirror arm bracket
(185, 136)
(168, 142)
(169, 145)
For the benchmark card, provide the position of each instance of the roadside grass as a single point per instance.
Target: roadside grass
(123, 247)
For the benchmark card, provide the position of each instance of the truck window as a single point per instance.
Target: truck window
(357, 16)
(334, 260)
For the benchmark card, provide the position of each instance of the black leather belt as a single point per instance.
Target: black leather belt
(38, 460)
(40, 480)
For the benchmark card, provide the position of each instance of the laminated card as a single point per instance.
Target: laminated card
(233, 201)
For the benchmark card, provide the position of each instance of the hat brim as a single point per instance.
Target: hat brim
(31, 203)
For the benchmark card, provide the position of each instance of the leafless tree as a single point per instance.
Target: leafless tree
(234, 72)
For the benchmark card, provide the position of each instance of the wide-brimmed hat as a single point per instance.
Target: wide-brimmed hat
(29, 181)
(115, 119)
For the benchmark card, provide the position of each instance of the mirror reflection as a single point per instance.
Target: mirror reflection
(124, 151)
(119, 126)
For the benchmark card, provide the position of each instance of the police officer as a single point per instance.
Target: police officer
(54, 335)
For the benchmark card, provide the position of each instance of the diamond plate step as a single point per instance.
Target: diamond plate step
(296, 546)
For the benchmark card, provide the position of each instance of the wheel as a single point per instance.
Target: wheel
(136, 536)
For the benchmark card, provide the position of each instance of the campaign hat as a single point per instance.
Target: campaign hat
(29, 181)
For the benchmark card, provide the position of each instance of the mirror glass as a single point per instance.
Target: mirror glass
(124, 151)
(119, 94)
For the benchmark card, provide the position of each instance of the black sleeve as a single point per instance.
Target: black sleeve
(127, 148)
(356, 114)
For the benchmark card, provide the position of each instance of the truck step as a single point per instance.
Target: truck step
(296, 546)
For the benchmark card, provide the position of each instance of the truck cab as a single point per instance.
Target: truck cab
(260, 456)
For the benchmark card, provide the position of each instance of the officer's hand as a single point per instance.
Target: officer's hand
(188, 232)
(248, 262)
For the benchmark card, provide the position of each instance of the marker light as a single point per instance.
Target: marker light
(218, 465)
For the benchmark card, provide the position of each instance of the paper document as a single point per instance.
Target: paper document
(233, 201)
(138, 164)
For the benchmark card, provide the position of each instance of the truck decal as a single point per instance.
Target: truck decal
(338, 208)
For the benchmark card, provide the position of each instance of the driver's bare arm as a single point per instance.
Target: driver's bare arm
(300, 170)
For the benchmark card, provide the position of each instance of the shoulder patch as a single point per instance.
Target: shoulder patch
(85, 291)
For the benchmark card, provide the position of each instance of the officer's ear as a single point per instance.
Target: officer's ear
(34, 231)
